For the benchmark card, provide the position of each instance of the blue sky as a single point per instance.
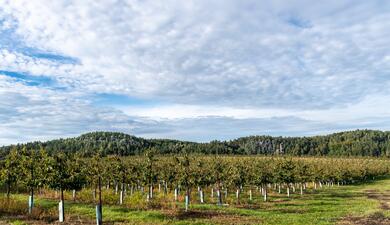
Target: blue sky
(192, 70)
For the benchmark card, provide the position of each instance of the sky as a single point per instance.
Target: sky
(193, 70)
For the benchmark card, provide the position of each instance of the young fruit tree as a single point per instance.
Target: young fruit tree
(185, 177)
(149, 172)
(34, 170)
(95, 171)
(66, 174)
(10, 172)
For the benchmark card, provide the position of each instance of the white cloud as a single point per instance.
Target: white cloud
(225, 128)
(183, 111)
(29, 113)
(225, 52)
(324, 65)
(374, 106)
(33, 113)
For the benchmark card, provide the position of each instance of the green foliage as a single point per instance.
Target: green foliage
(11, 169)
(34, 175)
(66, 172)
(351, 143)
(285, 171)
(149, 171)
(185, 174)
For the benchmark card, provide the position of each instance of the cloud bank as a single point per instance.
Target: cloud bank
(192, 70)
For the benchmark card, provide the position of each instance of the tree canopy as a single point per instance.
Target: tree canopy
(350, 143)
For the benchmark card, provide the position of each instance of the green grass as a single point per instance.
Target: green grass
(18, 222)
(323, 206)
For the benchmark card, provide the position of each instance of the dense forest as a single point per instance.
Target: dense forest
(349, 143)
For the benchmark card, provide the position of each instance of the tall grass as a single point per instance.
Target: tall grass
(11, 207)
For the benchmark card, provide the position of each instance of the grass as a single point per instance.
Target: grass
(322, 206)
(18, 222)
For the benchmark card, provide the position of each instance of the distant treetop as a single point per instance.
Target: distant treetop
(349, 143)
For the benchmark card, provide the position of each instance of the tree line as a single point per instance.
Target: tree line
(351, 143)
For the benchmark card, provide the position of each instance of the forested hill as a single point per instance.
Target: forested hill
(350, 143)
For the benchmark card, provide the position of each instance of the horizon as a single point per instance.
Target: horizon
(199, 142)
(194, 70)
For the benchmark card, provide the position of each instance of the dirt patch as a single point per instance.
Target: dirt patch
(383, 198)
(384, 206)
(191, 214)
(280, 200)
(235, 219)
(68, 221)
(249, 206)
(213, 217)
(375, 219)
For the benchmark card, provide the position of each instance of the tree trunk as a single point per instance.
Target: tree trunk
(265, 193)
(238, 195)
(31, 198)
(31, 201)
(201, 195)
(301, 189)
(61, 208)
(99, 207)
(151, 191)
(288, 191)
(100, 192)
(219, 194)
(62, 195)
(8, 190)
(187, 199)
(122, 194)
(94, 193)
(165, 188)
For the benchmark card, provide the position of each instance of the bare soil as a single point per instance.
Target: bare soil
(212, 217)
(69, 221)
(374, 219)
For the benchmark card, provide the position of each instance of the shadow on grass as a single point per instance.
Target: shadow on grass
(127, 213)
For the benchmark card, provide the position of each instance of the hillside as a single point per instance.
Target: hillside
(349, 143)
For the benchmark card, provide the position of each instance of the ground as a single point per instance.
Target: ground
(344, 205)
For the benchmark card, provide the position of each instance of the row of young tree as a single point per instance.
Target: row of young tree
(185, 174)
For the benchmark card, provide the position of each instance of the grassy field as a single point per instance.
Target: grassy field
(353, 204)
